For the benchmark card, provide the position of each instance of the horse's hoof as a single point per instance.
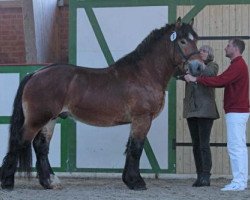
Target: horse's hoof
(56, 183)
(46, 184)
(56, 186)
(52, 183)
(136, 185)
(139, 187)
(7, 187)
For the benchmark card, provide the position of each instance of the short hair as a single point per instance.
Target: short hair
(238, 43)
(209, 50)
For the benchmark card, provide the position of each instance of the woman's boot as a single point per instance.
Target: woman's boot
(197, 181)
(204, 180)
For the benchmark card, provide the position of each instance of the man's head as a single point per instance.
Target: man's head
(234, 48)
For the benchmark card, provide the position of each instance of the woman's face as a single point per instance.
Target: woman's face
(203, 54)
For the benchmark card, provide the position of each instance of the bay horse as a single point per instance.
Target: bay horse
(131, 90)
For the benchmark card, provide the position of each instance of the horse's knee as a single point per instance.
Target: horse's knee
(134, 147)
(40, 145)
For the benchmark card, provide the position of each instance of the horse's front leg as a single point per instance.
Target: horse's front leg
(131, 173)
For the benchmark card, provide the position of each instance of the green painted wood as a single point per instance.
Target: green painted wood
(122, 3)
(151, 157)
(193, 12)
(68, 128)
(4, 120)
(68, 145)
(72, 32)
(171, 125)
(172, 105)
(99, 36)
(211, 2)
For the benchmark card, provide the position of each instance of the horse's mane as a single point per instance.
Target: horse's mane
(146, 45)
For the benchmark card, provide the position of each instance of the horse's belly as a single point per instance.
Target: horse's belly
(100, 118)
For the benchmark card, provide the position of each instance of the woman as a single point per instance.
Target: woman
(200, 111)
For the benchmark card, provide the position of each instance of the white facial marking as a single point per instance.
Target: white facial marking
(191, 37)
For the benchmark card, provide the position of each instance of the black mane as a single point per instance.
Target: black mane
(146, 45)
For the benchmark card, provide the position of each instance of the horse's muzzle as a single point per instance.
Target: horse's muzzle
(195, 67)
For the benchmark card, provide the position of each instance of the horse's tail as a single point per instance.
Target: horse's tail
(19, 151)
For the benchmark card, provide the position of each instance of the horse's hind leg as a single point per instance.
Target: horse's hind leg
(41, 143)
(19, 153)
(8, 170)
(131, 173)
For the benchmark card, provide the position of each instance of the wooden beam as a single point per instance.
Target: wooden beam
(29, 31)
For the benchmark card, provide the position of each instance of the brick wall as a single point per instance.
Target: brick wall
(12, 42)
(63, 23)
(12, 49)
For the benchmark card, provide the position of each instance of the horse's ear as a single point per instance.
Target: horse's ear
(191, 23)
(178, 23)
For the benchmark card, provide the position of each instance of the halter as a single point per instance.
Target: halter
(186, 57)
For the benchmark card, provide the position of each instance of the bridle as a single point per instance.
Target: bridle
(185, 57)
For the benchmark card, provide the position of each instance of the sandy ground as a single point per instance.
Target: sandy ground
(114, 189)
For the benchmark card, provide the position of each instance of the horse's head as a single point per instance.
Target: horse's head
(185, 53)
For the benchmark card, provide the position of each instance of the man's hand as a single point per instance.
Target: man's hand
(190, 78)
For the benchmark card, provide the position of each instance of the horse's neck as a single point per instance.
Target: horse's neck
(159, 68)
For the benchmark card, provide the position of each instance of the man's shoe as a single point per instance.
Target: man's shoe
(233, 187)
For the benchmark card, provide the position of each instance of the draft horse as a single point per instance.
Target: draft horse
(131, 90)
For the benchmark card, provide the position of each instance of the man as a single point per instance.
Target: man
(236, 105)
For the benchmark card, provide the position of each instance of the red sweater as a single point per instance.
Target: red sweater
(236, 82)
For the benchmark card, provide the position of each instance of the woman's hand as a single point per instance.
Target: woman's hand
(190, 78)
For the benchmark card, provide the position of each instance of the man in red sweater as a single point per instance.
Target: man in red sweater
(236, 105)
